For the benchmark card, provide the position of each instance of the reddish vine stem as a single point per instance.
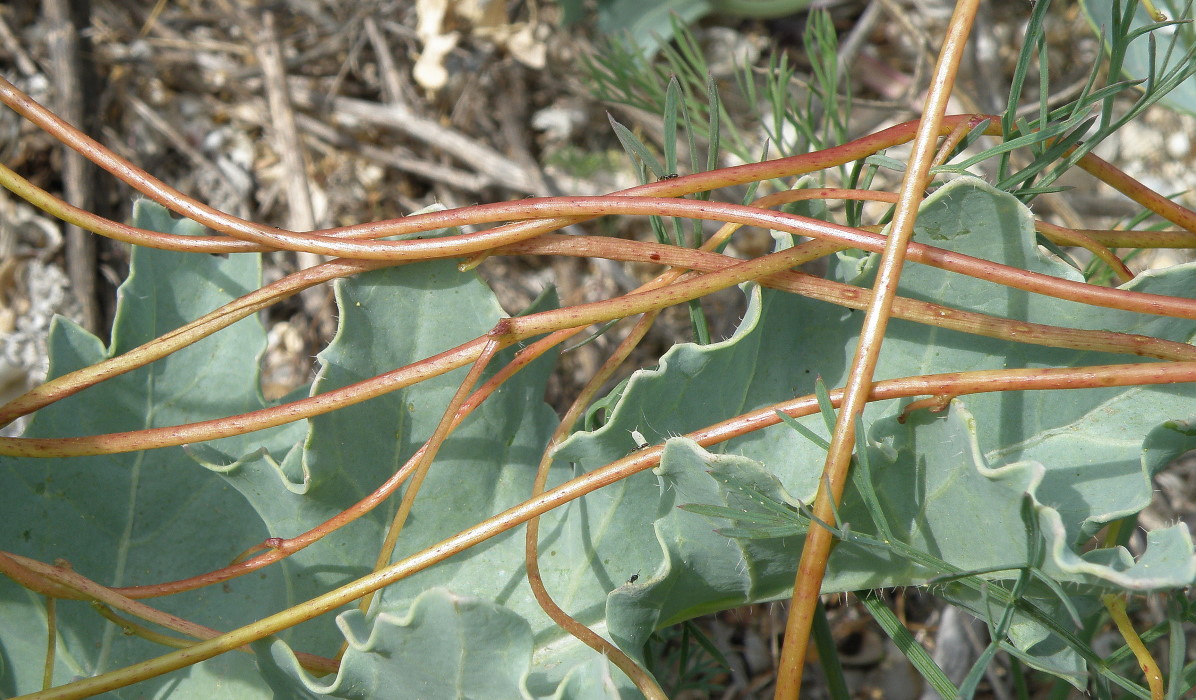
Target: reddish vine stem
(794, 165)
(509, 211)
(588, 393)
(1149, 199)
(497, 340)
(698, 182)
(323, 242)
(816, 551)
(642, 679)
(279, 548)
(954, 383)
(72, 383)
(683, 258)
(856, 298)
(60, 582)
(341, 240)
(549, 321)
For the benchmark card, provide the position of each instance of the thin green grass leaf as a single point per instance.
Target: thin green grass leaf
(1009, 118)
(909, 646)
(707, 645)
(828, 655)
(698, 322)
(967, 687)
(822, 44)
(884, 161)
(687, 44)
(972, 573)
(715, 109)
(763, 532)
(1026, 140)
(1118, 45)
(861, 177)
(803, 430)
(1020, 687)
(1043, 160)
(1175, 659)
(1189, 676)
(636, 148)
(839, 522)
(824, 404)
(729, 513)
(1061, 594)
(861, 476)
(673, 102)
(1044, 78)
(999, 631)
(690, 131)
(992, 589)
(1083, 101)
(595, 335)
(682, 659)
(672, 98)
(1034, 191)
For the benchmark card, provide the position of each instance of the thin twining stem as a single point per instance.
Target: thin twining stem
(509, 211)
(61, 582)
(846, 236)
(1180, 350)
(183, 205)
(549, 321)
(69, 384)
(278, 238)
(431, 448)
(698, 182)
(817, 548)
(935, 257)
(173, 436)
(506, 212)
(799, 283)
(281, 548)
(1117, 179)
(1117, 238)
(73, 382)
(278, 548)
(1056, 234)
(581, 402)
(850, 296)
(168, 343)
(946, 384)
(531, 543)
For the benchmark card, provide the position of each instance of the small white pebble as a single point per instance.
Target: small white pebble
(1179, 145)
(1140, 142)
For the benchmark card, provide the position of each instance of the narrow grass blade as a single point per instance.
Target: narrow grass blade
(909, 646)
(803, 430)
(636, 148)
(824, 403)
(861, 476)
(828, 655)
(672, 100)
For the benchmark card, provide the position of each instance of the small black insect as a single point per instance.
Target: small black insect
(634, 578)
(669, 176)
